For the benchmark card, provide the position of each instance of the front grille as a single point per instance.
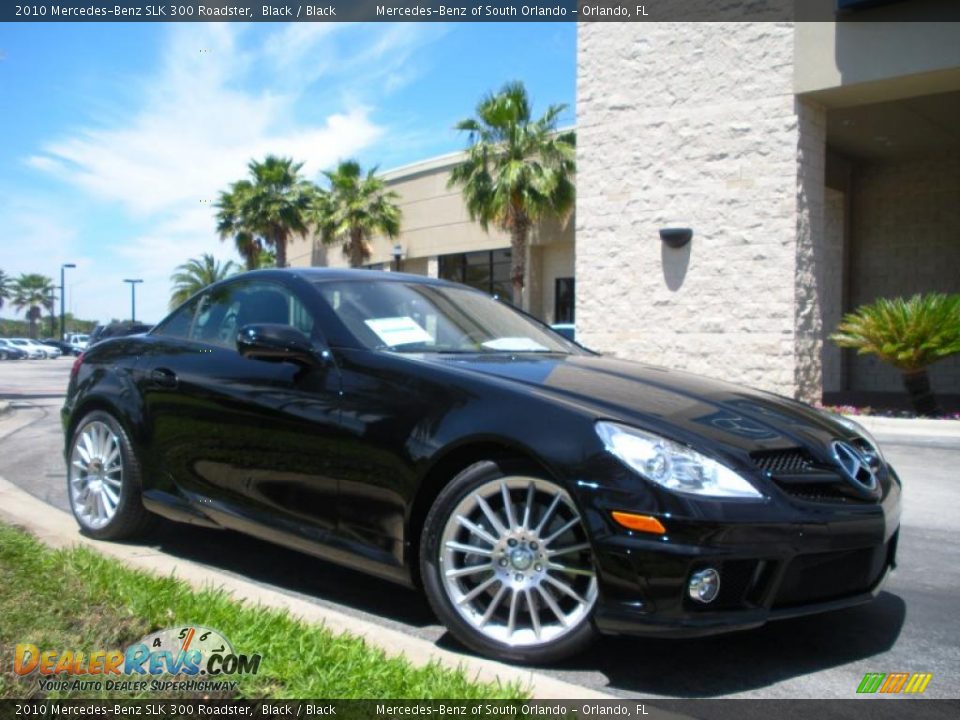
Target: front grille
(800, 476)
(792, 460)
(822, 577)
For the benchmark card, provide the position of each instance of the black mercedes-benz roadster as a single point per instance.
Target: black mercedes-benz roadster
(429, 434)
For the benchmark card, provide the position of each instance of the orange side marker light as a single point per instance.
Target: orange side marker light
(642, 523)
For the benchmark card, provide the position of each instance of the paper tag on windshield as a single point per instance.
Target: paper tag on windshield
(515, 344)
(395, 331)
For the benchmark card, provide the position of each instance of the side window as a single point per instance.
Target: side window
(178, 325)
(217, 316)
(216, 321)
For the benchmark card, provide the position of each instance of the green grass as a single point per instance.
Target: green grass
(77, 599)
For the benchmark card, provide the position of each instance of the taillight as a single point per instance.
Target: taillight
(76, 366)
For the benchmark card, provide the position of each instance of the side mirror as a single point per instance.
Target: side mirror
(276, 343)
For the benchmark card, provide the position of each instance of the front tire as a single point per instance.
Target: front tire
(104, 480)
(507, 565)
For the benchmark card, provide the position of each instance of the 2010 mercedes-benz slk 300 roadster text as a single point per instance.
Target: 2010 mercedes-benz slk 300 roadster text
(429, 434)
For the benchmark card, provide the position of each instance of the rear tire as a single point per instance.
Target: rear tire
(104, 480)
(507, 565)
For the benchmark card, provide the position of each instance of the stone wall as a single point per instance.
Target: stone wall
(696, 125)
(906, 239)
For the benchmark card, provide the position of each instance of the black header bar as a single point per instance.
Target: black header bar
(476, 11)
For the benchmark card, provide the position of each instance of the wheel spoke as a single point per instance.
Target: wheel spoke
(534, 613)
(528, 508)
(111, 496)
(508, 506)
(564, 588)
(469, 549)
(109, 503)
(477, 530)
(492, 607)
(512, 621)
(552, 604)
(570, 570)
(477, 590)
(83, 452)
(464, 571)
(548, 513)
(567, 526)
(491, 516)
(569, 549)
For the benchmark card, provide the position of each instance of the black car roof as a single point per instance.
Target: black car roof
(314, 274)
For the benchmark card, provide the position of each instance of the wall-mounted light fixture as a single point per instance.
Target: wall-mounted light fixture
(397, 254)
(676, 237)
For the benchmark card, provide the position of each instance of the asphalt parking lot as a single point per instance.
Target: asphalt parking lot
(912, 627)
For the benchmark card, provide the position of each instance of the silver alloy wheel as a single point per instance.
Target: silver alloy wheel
(516, 564)
(96, 474)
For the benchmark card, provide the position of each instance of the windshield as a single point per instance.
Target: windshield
(417, 318)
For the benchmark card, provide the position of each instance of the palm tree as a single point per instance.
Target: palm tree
(910, 335)
(5, 291)
(357, 206)
(517, 170)
(194, 275)
(263, 213)
(33, 292)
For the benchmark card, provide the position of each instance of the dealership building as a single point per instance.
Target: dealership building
(817, 165)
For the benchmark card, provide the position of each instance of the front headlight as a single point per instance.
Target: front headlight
(672, 465)
(855, 427)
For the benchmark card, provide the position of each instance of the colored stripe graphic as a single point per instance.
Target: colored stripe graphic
(871, 682)
(918, 683)
(892, 683)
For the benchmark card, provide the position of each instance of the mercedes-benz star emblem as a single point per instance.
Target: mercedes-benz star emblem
(859, 465)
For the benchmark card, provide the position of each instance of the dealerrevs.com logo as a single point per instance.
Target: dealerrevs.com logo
(193, 658)
(889, 683)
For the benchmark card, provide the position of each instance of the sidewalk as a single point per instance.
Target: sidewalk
(910, 427)
(59, 529)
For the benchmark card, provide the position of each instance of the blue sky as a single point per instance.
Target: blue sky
(118, 137)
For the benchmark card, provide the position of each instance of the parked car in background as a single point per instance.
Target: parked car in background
(8, 351)
(117, 329)
(34, 350)
(540, 494)
(64, 347)
(79, 340)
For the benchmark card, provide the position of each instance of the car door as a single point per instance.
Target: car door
(249, 442)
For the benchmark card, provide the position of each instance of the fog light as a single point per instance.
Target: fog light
(704, 585)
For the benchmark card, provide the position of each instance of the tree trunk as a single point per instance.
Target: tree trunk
(518, 257)
(34, 313)
(280, 245)
(356, 247)
(921, 395)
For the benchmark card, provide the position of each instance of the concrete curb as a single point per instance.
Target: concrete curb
(912, 427)
(58, 529)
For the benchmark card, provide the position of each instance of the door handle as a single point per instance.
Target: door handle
(162, 377)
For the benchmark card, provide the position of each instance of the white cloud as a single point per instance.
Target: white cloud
(220, 98)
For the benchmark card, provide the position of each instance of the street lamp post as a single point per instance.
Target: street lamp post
(133, 296)
(63, 294)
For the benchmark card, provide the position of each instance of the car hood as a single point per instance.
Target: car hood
(693, 407)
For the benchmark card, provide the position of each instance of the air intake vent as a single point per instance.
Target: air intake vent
(790, 461)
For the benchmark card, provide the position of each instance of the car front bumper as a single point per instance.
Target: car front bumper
(800, 561)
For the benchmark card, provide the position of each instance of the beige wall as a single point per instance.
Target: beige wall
(435, 222)
(905, 239)
(857, 61)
